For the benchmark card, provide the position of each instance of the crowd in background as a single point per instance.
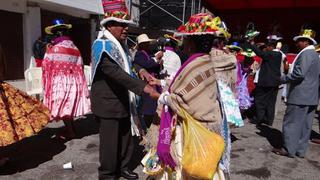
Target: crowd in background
(180, 92)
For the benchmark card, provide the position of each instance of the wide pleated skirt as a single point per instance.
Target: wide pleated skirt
(65, 91)
(21, 115)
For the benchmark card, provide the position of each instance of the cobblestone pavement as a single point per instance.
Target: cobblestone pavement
(40, 157)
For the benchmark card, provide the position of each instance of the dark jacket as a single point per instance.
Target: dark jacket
(143, 60)
(109, 91)
(146, 62)
(270, 69)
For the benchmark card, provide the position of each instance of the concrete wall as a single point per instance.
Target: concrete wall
(91, 6)
(31, 11)
(76, 8)
(18, 6)
(31, 31)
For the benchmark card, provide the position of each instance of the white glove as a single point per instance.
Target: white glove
(163, 99)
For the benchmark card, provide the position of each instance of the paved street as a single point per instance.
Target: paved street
(40, 157)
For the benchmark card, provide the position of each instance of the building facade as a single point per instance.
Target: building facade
(24, 21)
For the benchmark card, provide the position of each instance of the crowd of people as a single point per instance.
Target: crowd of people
(181, 97)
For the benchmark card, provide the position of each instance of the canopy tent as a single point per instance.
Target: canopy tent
(254, 4)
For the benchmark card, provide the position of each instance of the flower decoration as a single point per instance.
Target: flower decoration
(204, 23)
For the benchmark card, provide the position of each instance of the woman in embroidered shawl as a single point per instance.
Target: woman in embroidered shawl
(21, 115)
(193, 89)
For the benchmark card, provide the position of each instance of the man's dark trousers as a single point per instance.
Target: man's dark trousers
(116, 146)
(265, 101)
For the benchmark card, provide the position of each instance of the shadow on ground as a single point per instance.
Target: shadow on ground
(274, 136)
(33, 151)
(314, 135)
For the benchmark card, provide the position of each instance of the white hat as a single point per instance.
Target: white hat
(307, 34)
(274, 37)
(143, 38)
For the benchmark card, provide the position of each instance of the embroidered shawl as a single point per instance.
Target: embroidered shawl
(107, 43)
(195, 90)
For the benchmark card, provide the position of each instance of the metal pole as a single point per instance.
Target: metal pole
(199, 7)
(165, 10)
(192, 7)
(130, 6)
(150, 8)
(131, 40)
(184, 12)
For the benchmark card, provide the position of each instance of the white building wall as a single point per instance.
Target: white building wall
(134, 10)
(32, 16)
(18, 6)
(77, 8)
(92, 6)
(31, 31)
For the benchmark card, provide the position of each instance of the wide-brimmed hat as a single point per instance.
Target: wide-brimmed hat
(202, 24)
(57, 24)
(234, 46)
(317, 48)
(174, 39)
(115, 10)
(142, 38)
(251, 31)
(307, 34)
(248, 53)
(274, 37)
(171, 37)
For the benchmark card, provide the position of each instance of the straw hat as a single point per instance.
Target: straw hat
(57, 24)
(318, 48)
(234, 46)
(251, 32)
(274, 37)
(143, 38)
(115, 10)
(307, 34)
(248, 53)
(173, 38)
(204, 23)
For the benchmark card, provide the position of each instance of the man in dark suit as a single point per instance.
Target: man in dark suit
(110, 105)
(268, 82)
(112, 94)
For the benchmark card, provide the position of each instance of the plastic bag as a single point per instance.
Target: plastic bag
(151, 163)
(202, 149)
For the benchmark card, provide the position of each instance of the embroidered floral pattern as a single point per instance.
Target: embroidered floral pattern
(21, 115)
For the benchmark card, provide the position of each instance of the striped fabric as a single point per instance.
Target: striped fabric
(114, 5)
(195, 90)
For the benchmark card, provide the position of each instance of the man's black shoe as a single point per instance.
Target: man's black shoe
(127, 174)
(282, 152)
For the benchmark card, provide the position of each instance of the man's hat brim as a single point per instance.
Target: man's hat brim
(235, 48)
(49, 29)
(248, 54)
(318, 48)
(108, 19)
(305, 37)
(252, 34)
